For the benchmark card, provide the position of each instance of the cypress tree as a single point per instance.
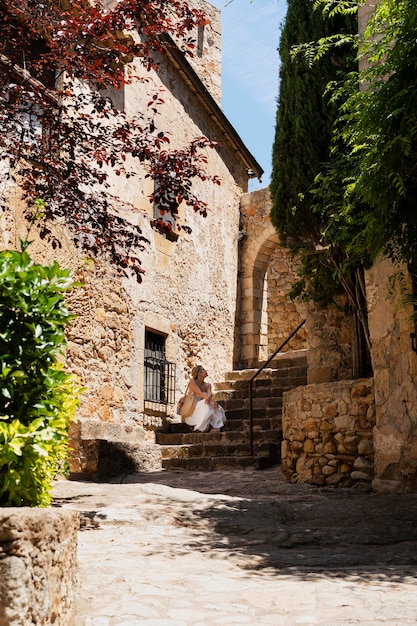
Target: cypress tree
(304, 137)
(304, 119)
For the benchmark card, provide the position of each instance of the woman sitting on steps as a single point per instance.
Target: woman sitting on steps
(208, 414)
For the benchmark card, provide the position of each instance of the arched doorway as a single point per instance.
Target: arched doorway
(266, 315)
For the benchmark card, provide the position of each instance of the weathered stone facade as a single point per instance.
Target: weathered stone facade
(330, 343)
(188, 294)
(282, 312)
(395, 373)
(38, 566)
(328, 434)
(206, 60)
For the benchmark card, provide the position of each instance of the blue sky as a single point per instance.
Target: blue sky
(250, 69)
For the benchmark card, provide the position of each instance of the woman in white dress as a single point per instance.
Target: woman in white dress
(208, 414)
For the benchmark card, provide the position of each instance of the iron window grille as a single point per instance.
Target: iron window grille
(159, 381)
(159, 374)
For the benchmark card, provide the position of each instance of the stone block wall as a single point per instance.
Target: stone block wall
(327, 432)
(283, 313)
(395, 374)
(206, 59)
(101, 450)
(330, 342)
(38, 566)
(266, 314)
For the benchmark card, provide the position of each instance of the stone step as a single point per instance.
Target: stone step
(184, 449)
(243, 414)
(266, 390)
(292, 358)
(210, 450)
(205, 464)
(259, 424)
(287, 360)
(239, 387)
(237, 421)
(222, 439)
(258, 404)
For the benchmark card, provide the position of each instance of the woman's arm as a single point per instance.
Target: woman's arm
(196, 389)
(209, 399)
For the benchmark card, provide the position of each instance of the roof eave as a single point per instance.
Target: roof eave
(178, 59)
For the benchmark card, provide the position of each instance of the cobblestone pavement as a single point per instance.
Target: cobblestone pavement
(225, 548)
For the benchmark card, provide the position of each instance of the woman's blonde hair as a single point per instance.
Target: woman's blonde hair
(196, 370)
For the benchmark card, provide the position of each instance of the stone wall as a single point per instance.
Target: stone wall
(188, 289)
(327, 432)
(100, 450)
(283, 313)
(206, 59)
(38, 566)
(330, 343)
(395, 373)
(266, 315)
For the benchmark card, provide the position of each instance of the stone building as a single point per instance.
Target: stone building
(133, 345)
(218, 296)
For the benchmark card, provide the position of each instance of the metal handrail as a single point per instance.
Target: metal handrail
(294, 332)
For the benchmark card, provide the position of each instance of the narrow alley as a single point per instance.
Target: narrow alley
(196, 549)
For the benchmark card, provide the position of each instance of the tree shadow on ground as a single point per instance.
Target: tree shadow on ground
(263, 524)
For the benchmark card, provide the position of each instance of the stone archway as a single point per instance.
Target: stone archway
(265, 314)
(254, 306)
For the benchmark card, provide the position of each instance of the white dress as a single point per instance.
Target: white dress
(205, 415)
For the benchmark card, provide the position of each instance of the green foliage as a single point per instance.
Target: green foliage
(364, 196)
(38, 398)
(335, 7)
(306, 198)
(375, 135)
(305, 117)
(314, 51)
(380, 126)
(318, 210)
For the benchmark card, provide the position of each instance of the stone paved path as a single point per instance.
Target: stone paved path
(226, 548)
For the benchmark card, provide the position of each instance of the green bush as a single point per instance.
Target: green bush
(38, 399)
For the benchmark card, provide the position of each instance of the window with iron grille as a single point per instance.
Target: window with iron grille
(159, 375)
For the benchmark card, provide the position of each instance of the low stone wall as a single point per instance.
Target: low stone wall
(38, 566)
(327, 432)
(101, 450)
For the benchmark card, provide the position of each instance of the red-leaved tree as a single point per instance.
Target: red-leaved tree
(60, 132)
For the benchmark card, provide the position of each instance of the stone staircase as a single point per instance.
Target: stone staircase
(184, 449)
